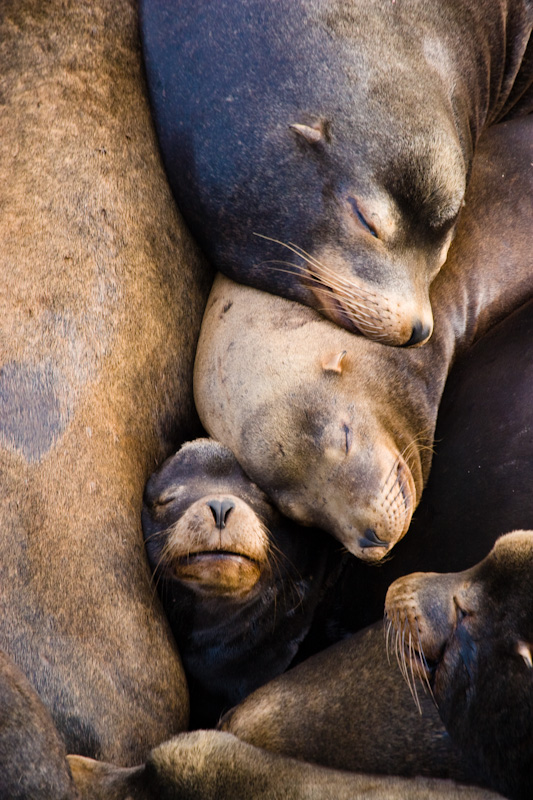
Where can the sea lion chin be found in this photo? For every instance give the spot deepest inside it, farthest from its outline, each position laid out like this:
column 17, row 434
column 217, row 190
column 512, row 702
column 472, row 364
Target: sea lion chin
column 328, row 160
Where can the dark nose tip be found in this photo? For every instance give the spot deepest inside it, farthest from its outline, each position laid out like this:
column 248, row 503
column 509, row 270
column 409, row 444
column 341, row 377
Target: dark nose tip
column 220, row 510
column 370, row 539
column 419, row 334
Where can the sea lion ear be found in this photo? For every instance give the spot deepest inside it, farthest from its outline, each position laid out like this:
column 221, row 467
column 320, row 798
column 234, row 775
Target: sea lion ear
column 333, row 362
column 524, row 650
column 312, row 134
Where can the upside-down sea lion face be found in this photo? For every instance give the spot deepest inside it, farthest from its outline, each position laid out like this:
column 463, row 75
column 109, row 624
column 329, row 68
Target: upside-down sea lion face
column 331, row 426
column 470, row 634
column 313, row 161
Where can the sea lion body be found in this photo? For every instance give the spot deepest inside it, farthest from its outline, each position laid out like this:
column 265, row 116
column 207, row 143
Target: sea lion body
column 101, row 296
column 471, row 635
column 238, row 582
column 359, row 715
column 468, row 634
column 216, row 766
column 33, row 759
column 320, row 150
column 336, row 429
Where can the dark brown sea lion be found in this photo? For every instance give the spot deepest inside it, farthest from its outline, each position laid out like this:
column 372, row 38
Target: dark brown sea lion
column 212, row 765
column 33, row 763
column 320, row 149
column 334, row 428
column 470, row 635
column 347, row 708
column 101, row 295
column 239, row 582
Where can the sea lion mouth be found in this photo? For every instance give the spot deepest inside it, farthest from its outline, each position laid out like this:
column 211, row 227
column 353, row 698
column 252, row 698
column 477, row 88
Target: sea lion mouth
column 218, row 572
column 216, row 554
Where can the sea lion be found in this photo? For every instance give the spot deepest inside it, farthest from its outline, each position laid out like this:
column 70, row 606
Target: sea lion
column 321, row 150
column 470, row 635
column 239, row 582
column 357, row 714
column 334, row 428
column 471, row 632
column 33, row 759
column 479, row 483
column 101, row 296
column 217, row 766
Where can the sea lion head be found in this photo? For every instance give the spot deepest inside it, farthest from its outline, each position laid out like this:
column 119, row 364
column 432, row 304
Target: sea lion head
column 204, row 522
column 239, row 583
column 326, row 162
column 302, row 405
column 469, row 635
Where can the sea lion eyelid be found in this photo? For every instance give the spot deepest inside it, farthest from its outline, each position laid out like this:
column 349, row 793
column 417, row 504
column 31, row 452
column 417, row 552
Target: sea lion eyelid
column 460, row 611
column 355, row 208
column 164, row 500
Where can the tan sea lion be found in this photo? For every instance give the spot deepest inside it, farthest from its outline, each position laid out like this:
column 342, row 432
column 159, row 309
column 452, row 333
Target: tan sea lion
column 240, row 584
column 334, row 428
column 216, row 766
column 469, row 635
column 341, row 132
column 101, row 296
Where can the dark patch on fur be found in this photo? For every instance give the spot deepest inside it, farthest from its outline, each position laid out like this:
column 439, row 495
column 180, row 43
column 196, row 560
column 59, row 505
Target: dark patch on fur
column 33, row 416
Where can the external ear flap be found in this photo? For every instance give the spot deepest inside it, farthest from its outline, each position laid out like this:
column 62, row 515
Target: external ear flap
column 313, row 135
column 524, row 650
column 333, row 362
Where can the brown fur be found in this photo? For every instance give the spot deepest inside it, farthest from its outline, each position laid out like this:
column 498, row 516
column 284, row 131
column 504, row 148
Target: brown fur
column 101, row 295
column 217, row 766
column 33, row 762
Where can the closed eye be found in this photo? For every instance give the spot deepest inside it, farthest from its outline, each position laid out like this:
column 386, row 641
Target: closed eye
column 355, row 208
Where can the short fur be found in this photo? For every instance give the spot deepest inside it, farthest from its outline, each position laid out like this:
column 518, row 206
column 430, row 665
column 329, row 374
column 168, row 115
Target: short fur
column 101, row 297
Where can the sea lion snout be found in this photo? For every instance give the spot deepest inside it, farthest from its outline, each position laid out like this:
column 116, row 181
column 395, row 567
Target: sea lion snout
column 220, row 510
column 400, row 316
column 217, row 546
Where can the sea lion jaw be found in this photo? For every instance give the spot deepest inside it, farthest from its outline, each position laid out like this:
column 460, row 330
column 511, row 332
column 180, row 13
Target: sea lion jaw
column 218, row 546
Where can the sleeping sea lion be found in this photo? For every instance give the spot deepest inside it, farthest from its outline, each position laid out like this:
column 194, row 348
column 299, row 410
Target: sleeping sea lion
column 321, row 149
column 334, row 428
column 470, row 636
column 213, row 765
column 239, row 582
column 101, row 297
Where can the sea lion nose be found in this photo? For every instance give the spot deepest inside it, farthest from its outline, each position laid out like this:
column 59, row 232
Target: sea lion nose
column 421, row 331
column 371, row 539
column 220, row 510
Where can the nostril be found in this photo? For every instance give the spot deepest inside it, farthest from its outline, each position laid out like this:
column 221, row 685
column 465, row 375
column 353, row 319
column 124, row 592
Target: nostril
column 371, row 539
column 220, row 510
column 419, row 334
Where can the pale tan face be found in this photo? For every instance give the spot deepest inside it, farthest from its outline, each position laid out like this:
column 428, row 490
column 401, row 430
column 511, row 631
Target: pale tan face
column 313, row 416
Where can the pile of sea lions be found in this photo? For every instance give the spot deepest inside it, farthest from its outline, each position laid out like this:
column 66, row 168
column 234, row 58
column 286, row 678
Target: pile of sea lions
column 360, row 174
